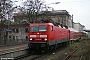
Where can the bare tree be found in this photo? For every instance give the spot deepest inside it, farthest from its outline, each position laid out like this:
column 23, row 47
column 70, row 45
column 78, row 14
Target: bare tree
column 6, row 6
column 0, row 10
column 33, row 7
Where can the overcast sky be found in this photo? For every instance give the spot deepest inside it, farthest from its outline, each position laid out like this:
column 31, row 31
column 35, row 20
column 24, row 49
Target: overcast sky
column 79, row 8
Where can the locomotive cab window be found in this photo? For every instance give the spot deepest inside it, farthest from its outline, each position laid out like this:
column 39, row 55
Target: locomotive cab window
column 38, row 28
column 42, row 28
column 51, row 28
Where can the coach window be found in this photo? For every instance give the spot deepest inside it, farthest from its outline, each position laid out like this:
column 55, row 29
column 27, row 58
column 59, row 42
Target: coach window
column 51, row 28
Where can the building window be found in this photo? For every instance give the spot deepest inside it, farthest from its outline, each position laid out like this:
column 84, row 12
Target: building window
column 14, row 37
column 10, row 36
column 13, row 30
column 26, row 30
column 26, row 37
column 16, row 30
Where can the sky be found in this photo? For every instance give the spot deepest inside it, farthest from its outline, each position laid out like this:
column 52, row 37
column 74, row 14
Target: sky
column 79, row 8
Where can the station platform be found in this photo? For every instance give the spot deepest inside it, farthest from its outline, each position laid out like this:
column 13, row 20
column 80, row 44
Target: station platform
column 13, row 48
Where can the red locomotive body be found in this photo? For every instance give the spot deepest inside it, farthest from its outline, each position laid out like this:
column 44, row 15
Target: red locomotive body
column 45, row 35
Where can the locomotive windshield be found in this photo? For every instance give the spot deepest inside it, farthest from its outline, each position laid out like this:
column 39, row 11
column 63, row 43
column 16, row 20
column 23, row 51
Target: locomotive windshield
column 38, row 28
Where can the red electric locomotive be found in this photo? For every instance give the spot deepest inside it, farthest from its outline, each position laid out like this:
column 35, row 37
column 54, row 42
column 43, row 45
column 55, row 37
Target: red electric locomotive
column 46, row 35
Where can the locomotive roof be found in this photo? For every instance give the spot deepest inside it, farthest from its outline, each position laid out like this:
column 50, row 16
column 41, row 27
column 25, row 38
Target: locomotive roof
column 72, row 29
column 41, row 24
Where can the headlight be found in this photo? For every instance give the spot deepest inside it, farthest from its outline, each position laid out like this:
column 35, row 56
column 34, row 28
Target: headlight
column 45, row 39
column 30, row 38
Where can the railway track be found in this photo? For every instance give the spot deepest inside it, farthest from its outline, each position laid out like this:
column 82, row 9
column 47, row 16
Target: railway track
column 23, row 56
column 38, row 56
column 59, row 55
column 70, row 54
column 30, row 56
column 34, row 56
column 66, row 53
column 77, row 52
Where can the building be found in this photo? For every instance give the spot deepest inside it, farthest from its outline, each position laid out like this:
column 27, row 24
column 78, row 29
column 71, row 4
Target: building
column 78, row 26
column 19, row 17
column 14, row 34
column 59, row 16
column 18, row 32
column 2, row 30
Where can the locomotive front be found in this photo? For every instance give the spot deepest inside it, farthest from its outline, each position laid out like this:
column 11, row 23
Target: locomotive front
column 37, row 36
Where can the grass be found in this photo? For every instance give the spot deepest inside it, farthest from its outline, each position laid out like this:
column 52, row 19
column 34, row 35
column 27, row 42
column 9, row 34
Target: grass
column 83, row 48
